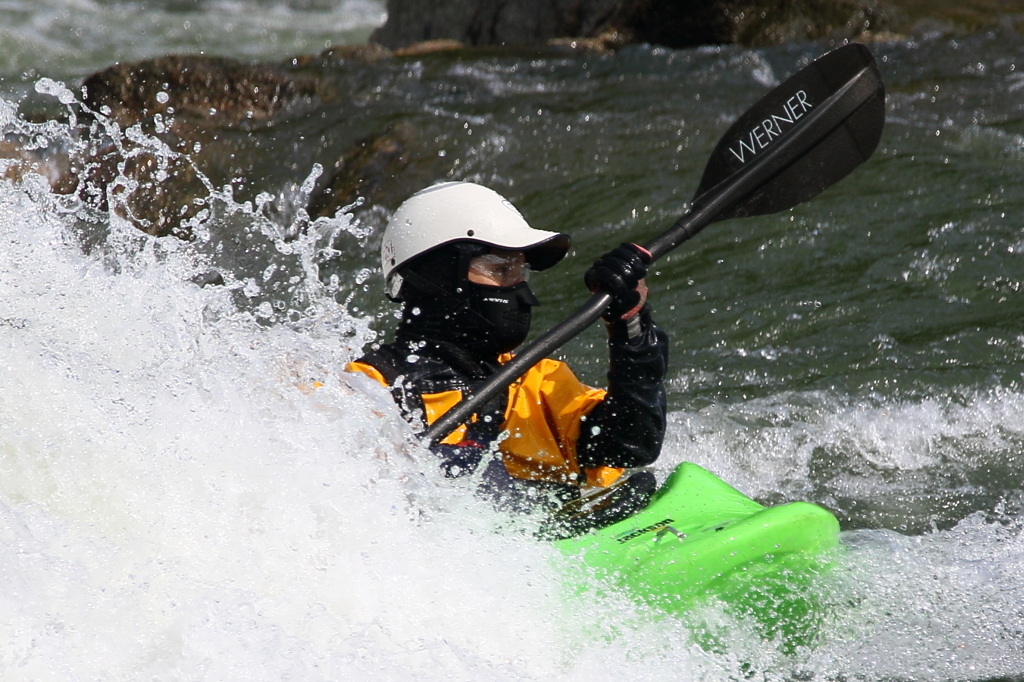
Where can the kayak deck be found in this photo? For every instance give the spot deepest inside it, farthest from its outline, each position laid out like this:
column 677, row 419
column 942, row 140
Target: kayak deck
column 700, row 539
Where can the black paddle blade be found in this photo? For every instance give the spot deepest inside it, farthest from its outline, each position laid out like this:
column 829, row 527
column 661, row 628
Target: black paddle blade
column 768, row 124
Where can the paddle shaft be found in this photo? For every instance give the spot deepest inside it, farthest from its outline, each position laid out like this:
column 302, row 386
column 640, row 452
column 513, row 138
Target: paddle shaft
column 817, row 125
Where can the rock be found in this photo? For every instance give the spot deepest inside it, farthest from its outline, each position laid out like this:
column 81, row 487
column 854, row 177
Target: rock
column 185, row 102
column 383, row 169
column 19, row 158
column 214, row 90
column 661, row 22
column 774, row 22
column 209, row 278
column 158, row 192
column 474, row 22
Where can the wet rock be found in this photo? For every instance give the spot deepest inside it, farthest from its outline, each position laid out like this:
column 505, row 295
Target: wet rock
column 382, row 169
column 208, row 278
column 182, row 106
column 156, row 190
column 662, row 22
column 214, row 90
column 474, row 22
column 19, row 158
column 754, row 23
column 774, row 22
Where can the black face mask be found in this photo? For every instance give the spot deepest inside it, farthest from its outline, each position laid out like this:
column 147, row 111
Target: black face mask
column 505, row 313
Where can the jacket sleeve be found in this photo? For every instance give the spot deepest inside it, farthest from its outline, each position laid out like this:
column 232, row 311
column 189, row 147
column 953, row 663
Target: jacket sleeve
column 628, row 427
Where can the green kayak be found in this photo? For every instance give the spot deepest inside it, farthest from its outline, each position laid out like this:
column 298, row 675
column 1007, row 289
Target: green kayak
column 700, row 541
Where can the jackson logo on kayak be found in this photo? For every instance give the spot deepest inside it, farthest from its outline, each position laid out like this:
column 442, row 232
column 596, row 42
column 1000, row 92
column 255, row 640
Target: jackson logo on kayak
column 793, row 109
column 627, row 536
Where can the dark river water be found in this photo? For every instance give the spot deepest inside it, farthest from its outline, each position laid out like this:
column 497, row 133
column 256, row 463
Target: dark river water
column 190, row 488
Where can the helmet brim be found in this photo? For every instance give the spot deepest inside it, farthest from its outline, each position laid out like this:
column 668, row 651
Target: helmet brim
column 543, row 251
column 549, row 252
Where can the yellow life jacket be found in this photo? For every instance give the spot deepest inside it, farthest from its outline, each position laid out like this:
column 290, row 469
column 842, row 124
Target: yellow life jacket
column 543, row 417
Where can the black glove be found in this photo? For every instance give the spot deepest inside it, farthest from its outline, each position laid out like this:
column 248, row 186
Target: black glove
column 619, row 273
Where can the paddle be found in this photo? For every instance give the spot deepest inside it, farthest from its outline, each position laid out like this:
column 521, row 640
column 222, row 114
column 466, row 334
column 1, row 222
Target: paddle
column 796, row 141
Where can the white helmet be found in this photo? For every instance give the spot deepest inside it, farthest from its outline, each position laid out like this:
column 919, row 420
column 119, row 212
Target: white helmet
column 462, row 211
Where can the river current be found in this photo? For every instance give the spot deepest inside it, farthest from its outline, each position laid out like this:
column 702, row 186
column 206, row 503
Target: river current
column 191, row 489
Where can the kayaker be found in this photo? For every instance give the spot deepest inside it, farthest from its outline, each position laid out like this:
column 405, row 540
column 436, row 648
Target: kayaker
column 458, row 256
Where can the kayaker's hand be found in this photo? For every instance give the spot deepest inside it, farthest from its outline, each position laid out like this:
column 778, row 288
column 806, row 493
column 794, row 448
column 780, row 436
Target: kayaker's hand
column 621, row 273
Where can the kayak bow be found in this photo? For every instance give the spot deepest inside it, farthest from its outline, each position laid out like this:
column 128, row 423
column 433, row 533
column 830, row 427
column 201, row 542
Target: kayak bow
column 700, row 541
